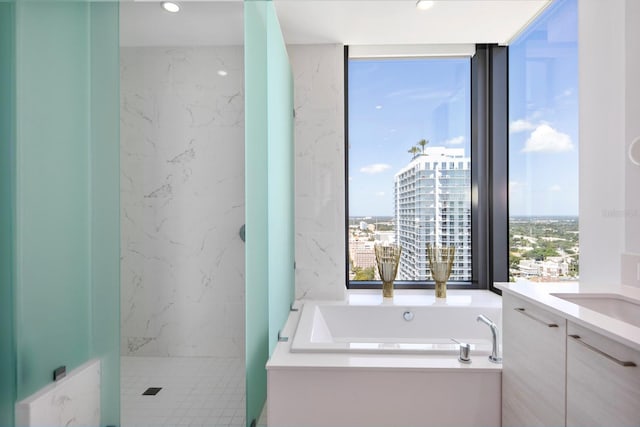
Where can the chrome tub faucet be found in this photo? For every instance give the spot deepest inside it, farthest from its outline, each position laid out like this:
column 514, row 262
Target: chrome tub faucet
column 494, row 332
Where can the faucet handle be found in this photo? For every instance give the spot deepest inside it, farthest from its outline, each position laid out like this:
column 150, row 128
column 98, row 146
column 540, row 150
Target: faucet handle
column 465, row 349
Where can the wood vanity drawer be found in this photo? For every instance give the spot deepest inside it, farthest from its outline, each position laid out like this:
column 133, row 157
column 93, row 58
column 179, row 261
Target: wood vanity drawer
column 603, row 385
column 533, row 369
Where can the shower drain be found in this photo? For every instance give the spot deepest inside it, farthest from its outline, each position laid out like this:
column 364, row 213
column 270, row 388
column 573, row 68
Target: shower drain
column 151, row 391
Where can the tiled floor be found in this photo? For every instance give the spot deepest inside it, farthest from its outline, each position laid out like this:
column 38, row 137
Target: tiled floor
column 207, row 392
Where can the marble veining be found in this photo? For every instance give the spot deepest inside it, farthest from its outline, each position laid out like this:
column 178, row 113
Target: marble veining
column 182, row 201
column 319, row 163
column 71, row 401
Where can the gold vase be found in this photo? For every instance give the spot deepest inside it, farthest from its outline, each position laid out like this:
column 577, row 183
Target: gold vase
column 387, row 289
column 441, row 289
column 387, row 259
column 440, row 263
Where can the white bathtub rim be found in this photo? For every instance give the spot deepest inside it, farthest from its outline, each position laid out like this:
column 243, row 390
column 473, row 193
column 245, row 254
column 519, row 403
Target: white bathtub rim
column 444, row 341
column 421, row 302
column 283, row 358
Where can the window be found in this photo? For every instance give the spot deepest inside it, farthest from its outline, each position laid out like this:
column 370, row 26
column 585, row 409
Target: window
column 409, row 164
column 543, row 148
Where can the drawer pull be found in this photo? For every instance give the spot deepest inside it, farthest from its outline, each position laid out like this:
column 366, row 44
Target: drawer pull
column 522, row 311
column 602, row 353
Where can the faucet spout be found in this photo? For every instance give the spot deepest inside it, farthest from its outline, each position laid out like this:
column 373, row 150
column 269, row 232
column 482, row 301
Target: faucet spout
column 494, row 334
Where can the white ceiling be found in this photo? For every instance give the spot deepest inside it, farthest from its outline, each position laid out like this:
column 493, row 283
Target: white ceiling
column 354, row 22
column 199, row 23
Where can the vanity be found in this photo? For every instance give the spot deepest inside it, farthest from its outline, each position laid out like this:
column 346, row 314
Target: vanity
column 571, row 356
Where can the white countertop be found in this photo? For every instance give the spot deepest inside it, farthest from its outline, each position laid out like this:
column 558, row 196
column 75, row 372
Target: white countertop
column 282, row 358
column 540, row 294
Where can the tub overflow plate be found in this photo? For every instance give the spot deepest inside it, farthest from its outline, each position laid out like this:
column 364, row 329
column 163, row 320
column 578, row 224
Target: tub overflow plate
column 408, row 316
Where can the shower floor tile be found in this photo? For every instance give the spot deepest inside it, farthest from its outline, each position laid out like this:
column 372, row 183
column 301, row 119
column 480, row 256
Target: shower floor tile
column 196, row 391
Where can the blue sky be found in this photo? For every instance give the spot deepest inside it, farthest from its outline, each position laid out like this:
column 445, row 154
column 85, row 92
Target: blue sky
column 395, row 103
column 543, row 109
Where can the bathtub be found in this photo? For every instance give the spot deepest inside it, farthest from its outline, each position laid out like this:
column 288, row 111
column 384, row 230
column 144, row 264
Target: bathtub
column 394, row 328
column 362, row 363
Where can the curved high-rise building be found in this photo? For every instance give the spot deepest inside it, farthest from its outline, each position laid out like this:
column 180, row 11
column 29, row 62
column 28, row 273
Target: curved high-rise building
column 433, row 206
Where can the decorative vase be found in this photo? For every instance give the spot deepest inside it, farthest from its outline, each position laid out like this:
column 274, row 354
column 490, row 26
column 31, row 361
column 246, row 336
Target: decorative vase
column 387, row 289
column 440, row 264
column 387, row 260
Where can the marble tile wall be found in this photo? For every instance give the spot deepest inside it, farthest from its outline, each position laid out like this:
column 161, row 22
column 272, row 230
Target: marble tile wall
column 182, row 201
column 319, row 199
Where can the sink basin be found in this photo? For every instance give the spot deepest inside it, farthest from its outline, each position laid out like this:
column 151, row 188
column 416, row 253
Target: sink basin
column 612, row 305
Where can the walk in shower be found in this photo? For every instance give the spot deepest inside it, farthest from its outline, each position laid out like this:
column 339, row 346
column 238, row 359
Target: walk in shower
column 182, row 205
column 124, row 190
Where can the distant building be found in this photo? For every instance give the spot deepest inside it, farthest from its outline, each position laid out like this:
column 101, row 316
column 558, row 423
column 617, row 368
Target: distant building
column 385, row 237
column 529, row 268
column 551, row 268
column 362, row 253
column 433, row 206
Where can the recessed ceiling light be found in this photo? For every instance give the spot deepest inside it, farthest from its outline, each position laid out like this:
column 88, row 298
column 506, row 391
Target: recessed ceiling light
column 170, row 6
column 222, row 73
column 424, row 4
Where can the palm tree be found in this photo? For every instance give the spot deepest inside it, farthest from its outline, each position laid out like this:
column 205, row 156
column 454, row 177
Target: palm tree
column 414, row 150
column 422, row 144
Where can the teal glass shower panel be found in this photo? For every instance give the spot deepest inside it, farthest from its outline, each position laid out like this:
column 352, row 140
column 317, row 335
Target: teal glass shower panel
column 256, row 213
column 280, row 178
column 105, row 202
column 52, row 198
column 269, row 193
column 66, row 222
column 7, row 172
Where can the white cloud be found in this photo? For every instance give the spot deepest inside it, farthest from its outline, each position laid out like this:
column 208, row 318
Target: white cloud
column 375, row 168
column 380, row 193
column 350, row 178
column 555, row 188
column 455, row 140
column 521, row 126
column 546, row 139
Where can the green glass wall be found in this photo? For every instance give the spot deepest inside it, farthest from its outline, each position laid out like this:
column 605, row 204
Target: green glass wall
column 7, row 136
column 105, row 202
column 52, row 198
column 256, row 217
column 63, row 279
column 280, row 173
column 268, row 193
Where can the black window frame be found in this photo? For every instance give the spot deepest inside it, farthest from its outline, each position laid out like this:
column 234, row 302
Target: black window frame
column 489, row 174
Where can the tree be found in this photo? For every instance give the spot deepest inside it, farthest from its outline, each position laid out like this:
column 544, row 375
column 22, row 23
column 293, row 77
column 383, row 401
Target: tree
column 414, row 150
column 423, row 143
column 514, row 261
column 365, row 274
column 540, row 253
